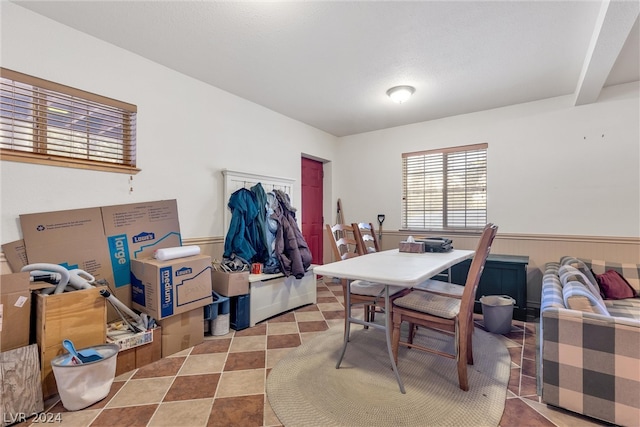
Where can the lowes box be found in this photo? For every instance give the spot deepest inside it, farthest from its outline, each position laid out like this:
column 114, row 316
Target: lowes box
column 166, row 288
column 136, row 230
column 100, row 240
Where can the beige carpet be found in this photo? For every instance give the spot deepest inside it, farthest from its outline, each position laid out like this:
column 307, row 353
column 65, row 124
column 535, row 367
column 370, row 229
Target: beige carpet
column 305, row 389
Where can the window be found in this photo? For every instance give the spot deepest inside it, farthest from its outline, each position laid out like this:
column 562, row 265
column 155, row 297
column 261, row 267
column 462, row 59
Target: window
column 445, row 189
column 48, row 123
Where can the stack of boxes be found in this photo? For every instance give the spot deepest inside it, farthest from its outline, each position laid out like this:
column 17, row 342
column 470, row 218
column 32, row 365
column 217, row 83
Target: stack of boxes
column 173, row 292
column 110, row 243
column 234, row 285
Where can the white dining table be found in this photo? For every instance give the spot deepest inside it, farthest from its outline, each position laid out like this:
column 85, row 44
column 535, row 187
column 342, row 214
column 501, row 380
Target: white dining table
column 391, row 268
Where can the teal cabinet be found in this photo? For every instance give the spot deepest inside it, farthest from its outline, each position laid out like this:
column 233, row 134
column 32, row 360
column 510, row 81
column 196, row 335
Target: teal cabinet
column 502, row 275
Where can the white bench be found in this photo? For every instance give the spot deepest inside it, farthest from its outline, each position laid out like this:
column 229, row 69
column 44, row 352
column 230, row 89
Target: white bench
column 272, row 294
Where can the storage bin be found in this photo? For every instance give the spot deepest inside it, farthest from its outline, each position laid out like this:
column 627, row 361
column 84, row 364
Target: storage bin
column 83, row 385
column 220, row 325
column 220, row 305
column 240, row 312
column 217, row 315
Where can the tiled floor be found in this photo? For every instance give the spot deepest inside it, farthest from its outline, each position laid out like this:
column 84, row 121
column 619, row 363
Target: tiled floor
column 221, row 382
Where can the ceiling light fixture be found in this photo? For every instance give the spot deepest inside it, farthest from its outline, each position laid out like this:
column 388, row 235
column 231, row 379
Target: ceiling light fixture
column 401, row 94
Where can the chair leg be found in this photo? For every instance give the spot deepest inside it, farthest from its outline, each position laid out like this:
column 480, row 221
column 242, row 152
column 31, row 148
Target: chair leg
column 462, row 374
column 367, row 314
column 470, row 341
column 463, row 353
column 412, row 332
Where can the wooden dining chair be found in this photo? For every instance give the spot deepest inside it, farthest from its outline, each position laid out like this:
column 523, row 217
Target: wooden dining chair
column 345, row 245
column 368, row 243
column 451, row 315
column 344, row 241
column 366, row 236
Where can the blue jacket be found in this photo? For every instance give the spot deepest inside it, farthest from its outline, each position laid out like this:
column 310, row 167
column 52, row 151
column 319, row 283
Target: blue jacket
column 261, row 246
column 243, row 231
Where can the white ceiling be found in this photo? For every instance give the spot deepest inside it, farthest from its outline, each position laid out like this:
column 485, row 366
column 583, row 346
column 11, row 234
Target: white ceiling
column 329, row 64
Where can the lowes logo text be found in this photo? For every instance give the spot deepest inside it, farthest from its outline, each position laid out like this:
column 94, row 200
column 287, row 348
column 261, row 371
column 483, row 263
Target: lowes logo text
column 143, row 237
column 184, row 271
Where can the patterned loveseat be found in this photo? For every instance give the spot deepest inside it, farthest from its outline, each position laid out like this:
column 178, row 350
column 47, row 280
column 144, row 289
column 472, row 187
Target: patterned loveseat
column 589, row 359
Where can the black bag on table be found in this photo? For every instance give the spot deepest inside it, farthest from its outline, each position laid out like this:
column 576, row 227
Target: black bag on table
column 436, row 244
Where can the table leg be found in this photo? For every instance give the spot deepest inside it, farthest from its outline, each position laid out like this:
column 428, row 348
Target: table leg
column 387, row 332
column 386, row 329
column 347, row 320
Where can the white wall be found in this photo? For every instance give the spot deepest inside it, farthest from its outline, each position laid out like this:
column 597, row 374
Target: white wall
column 552, row 168
column 187, row 131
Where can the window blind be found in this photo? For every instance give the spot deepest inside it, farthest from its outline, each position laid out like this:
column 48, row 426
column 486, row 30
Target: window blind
column 42, row 119
column 445, row 189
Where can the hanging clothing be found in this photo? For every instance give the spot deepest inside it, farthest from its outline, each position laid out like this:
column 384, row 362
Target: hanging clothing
column 261, row 246
column 272, row 265
column 291, row 249
column 243, row 229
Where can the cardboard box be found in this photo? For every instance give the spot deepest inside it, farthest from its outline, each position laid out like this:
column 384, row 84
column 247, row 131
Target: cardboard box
column 15, row 311
column 135, row 231
column 413, row 247
column 230, row 284
column 102, row 240
column 16, row 255
column 142, row 355
column 166, row 288
column 132, row 340
column 73, row 239
column 80, row 316
column 182, row 331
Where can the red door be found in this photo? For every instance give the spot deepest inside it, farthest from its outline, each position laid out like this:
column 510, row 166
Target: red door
column 312, row 219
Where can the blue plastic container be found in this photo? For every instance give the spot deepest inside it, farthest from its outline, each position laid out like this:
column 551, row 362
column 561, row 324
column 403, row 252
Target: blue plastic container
column 240, row 312
column 220, row 305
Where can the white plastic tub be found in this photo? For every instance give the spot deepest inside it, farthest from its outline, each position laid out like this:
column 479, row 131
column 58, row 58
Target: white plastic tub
column 83, row 385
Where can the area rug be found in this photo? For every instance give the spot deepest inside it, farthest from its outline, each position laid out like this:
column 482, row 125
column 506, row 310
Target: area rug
column 305, row 388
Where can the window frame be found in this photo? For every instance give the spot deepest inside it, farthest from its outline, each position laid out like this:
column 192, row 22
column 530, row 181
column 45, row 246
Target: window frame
column 122, row 163
column 433, row 174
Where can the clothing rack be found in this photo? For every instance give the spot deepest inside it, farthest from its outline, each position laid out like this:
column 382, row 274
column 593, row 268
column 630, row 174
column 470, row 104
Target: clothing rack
column 235, row 180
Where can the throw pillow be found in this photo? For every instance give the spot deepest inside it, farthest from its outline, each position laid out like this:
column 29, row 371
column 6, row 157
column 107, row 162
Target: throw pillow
column 614, row 286
column 573, row 289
